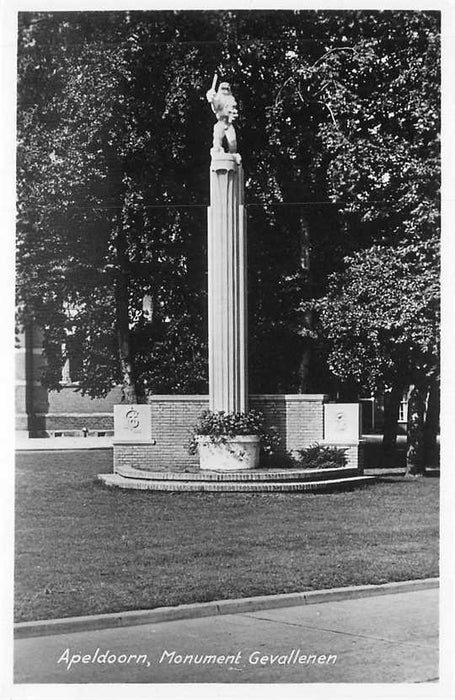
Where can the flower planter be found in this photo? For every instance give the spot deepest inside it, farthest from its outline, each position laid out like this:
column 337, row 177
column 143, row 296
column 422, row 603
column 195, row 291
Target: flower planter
column 228, row 453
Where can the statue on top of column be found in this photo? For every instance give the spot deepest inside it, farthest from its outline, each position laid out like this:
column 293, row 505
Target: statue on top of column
column 224, row 106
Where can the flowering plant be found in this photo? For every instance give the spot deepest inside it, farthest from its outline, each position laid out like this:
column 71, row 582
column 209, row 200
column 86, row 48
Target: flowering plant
column 219, row 425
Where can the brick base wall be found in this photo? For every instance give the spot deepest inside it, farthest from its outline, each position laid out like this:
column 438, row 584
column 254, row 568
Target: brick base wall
column 298, row 419
column 355, row 454
column 172, row 420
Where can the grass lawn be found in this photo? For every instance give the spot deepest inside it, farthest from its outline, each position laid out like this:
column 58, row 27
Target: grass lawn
column 82, row 548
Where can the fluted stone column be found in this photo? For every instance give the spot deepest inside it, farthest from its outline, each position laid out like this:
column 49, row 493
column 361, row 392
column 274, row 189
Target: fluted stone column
column 228, row 384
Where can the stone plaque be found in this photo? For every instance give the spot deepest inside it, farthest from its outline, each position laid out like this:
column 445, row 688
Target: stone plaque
column 342, row 422
column 132, row 423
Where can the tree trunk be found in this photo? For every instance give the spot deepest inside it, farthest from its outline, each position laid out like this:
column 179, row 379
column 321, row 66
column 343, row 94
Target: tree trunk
column 123, row 340
column 415, row 465
column 431, row 427
column 304, row 370
column 392, row 402
column 305, row 358
column 129, row 389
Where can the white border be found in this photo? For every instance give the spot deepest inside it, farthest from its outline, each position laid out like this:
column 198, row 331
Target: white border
column 444, row 689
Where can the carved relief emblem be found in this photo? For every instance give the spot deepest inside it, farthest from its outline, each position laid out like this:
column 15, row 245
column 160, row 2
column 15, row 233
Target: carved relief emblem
column 341, row 421
column 132, row 418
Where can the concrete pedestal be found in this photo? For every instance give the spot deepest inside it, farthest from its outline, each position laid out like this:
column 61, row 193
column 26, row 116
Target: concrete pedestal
column 228, row 387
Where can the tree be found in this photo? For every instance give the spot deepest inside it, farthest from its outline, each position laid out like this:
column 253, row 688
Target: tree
column 112, row 188
column 381, row 319
column 96, row 167
column 371, row 89
column 354, row 121
column 338, row 132
column 372, row 93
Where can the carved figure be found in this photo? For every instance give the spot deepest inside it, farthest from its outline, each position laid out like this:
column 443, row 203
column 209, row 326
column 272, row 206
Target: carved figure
column 224, row 106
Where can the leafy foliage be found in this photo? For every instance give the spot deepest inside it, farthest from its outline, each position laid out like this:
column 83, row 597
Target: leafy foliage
column 339, row 121
column 376, row 80
column 381, row 316
column 95, row 167
column 381, row 319
column 219, row 425
column 320, row 457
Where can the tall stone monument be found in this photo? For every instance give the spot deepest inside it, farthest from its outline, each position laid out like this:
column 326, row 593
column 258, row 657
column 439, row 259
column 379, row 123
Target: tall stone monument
column 149, row 438
column 228, row 382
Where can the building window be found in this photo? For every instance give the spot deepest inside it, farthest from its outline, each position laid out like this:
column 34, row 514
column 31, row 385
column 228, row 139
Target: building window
column 403, row 410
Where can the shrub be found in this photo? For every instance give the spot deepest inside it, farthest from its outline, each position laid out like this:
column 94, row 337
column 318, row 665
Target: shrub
column 320, row 457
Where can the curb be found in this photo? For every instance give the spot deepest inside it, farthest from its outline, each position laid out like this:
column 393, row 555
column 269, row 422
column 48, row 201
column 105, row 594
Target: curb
column 54, row 445
column 399, row 471
column 131, row 618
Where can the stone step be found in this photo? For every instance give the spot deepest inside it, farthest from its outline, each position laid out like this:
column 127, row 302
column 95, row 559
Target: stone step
column 241, row 475
column 119, row 481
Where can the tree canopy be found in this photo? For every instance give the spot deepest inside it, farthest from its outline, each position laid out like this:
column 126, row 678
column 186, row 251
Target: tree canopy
column 338, row 129
column 381, row 317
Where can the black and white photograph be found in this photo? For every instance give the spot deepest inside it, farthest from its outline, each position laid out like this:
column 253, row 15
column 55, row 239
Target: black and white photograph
column 227, row 350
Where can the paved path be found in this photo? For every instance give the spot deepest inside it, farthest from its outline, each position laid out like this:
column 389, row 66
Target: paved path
column 63, row 443
column 382, row 639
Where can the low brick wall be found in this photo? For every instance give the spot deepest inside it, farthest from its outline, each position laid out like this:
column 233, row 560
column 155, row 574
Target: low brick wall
column 355, row 453
column 297, row 417
column 172, row 420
